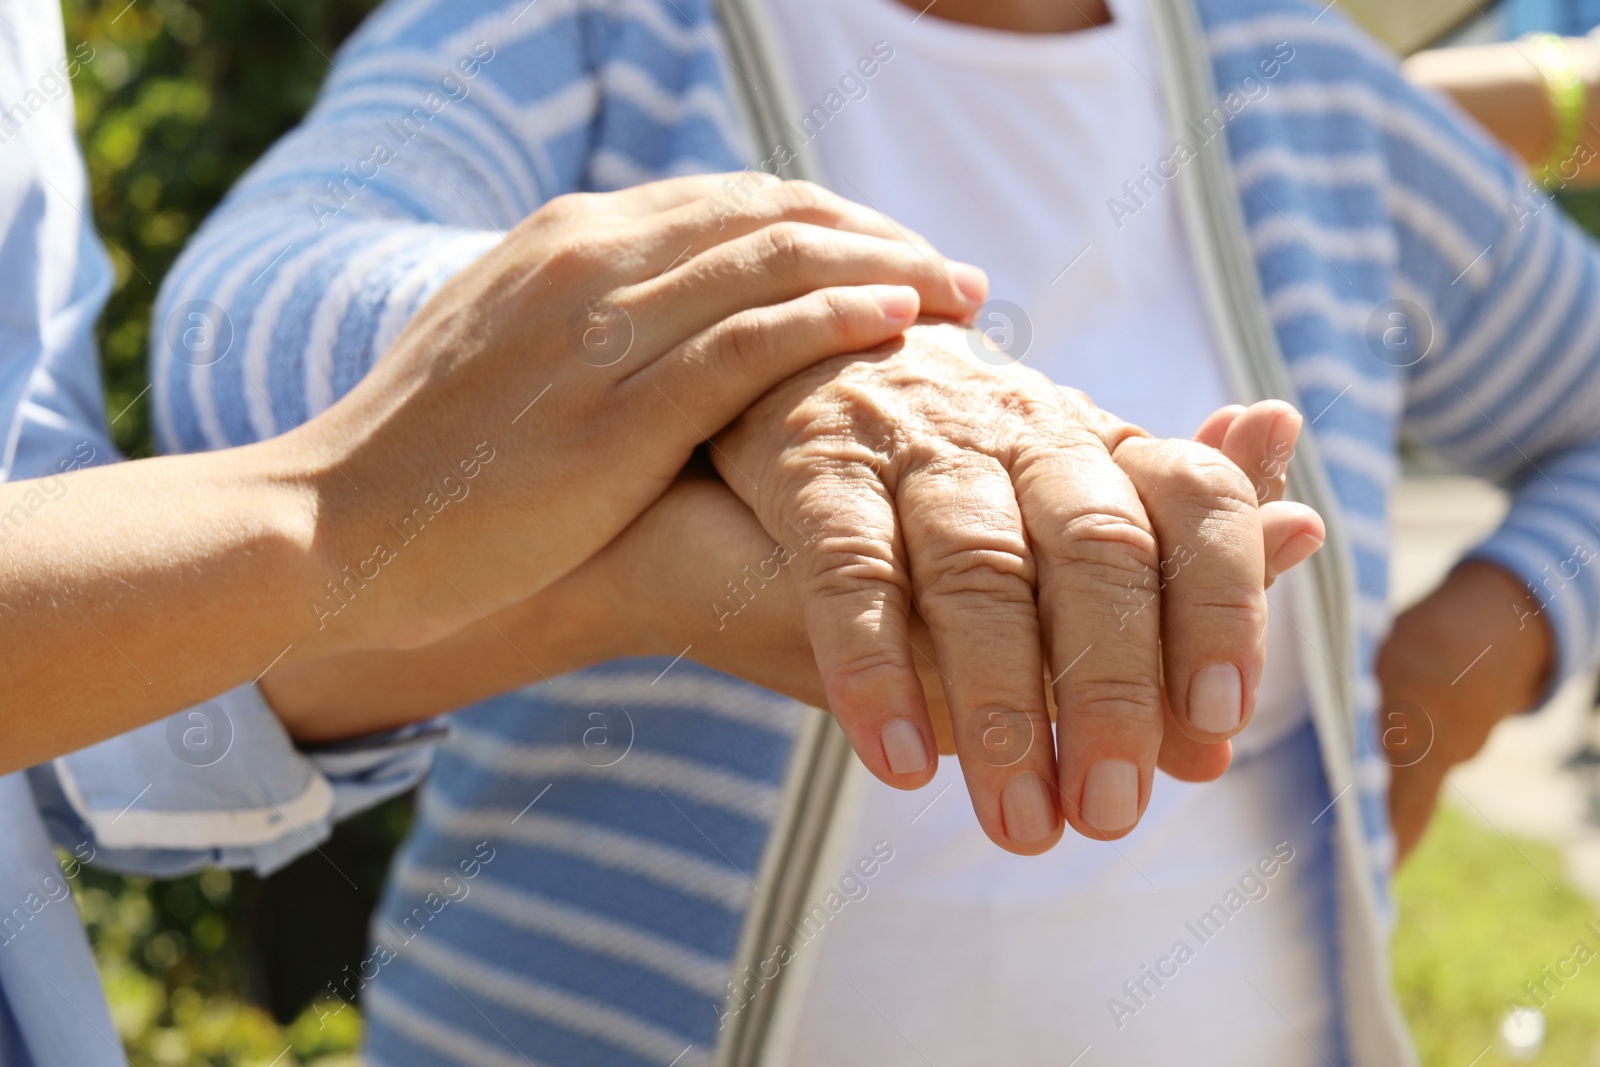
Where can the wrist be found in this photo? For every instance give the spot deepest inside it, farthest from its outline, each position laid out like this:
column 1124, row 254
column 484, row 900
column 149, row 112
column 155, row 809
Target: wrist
column 614, row 598
column 319, row 520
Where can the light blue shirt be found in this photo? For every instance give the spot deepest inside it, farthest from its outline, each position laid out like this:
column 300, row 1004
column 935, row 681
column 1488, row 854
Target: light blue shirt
column 221, row 783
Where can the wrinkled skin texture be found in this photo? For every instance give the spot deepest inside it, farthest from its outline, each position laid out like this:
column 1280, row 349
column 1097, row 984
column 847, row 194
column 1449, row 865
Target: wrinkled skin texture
column 1040, row 538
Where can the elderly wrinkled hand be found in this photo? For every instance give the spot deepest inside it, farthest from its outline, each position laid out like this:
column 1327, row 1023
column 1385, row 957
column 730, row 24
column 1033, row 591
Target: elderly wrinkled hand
column 1049, row 546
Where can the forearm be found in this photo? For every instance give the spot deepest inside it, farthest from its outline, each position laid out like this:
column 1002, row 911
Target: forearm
column 568, row 627
column 135, row 590
column 696, row 576
column 1503, row 90
column 358, row 693
column 552, row 634
column 661, row 588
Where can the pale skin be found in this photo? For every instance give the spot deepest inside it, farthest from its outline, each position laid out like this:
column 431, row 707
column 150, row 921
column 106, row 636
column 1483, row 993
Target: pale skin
column 1039, row 538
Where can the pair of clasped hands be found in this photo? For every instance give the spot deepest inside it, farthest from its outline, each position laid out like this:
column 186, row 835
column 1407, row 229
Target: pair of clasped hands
column 943, row 552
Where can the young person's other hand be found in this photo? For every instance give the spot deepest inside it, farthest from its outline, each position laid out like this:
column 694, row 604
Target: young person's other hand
column 695, row 575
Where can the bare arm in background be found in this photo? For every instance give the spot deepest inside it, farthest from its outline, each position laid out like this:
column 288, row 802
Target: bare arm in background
column 1500, row 87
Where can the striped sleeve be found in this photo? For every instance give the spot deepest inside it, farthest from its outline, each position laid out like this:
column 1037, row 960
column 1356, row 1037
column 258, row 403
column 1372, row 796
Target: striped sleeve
column 1509, row 386
column 436, row 131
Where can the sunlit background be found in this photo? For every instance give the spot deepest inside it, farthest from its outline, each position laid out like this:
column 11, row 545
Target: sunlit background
column 225, row 969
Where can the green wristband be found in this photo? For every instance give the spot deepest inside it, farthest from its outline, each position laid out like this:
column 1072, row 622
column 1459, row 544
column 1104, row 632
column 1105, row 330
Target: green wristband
column 1552, row 56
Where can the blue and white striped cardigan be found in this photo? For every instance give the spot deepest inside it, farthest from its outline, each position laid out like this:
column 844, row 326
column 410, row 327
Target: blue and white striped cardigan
column 601, row 933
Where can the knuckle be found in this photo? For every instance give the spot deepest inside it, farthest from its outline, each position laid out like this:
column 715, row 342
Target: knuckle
column 1088, row 421
column 1077, row 433
column 746, row 344
column 785, row 248
column 1115, row 701
column 865, row 661
column 853, row 564
column 1201, row 476
column 765, row 179
column 1244, row 609
column 1110, row 547
column 568, row 258
column 807, row 200
column 998, row 576
column 836, row 312
column 568, row 207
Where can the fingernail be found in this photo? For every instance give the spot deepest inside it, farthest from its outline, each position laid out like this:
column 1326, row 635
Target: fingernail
column 1111, row 795
column 903, row 747
column 1027, row 808
column 1216, row 698
column 900, row 303
column 1293, row 552
column 972, row 282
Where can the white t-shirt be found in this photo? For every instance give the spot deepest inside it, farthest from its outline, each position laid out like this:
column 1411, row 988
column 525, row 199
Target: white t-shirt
column 1004, row 150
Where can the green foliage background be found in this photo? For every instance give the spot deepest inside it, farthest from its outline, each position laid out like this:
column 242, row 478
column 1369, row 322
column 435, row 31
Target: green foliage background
column 180, row 98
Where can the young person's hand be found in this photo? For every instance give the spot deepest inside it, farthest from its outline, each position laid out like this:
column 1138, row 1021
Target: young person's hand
column 533, row 408
column 1475, row 651
column 570, row 373
column 1017, row 517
